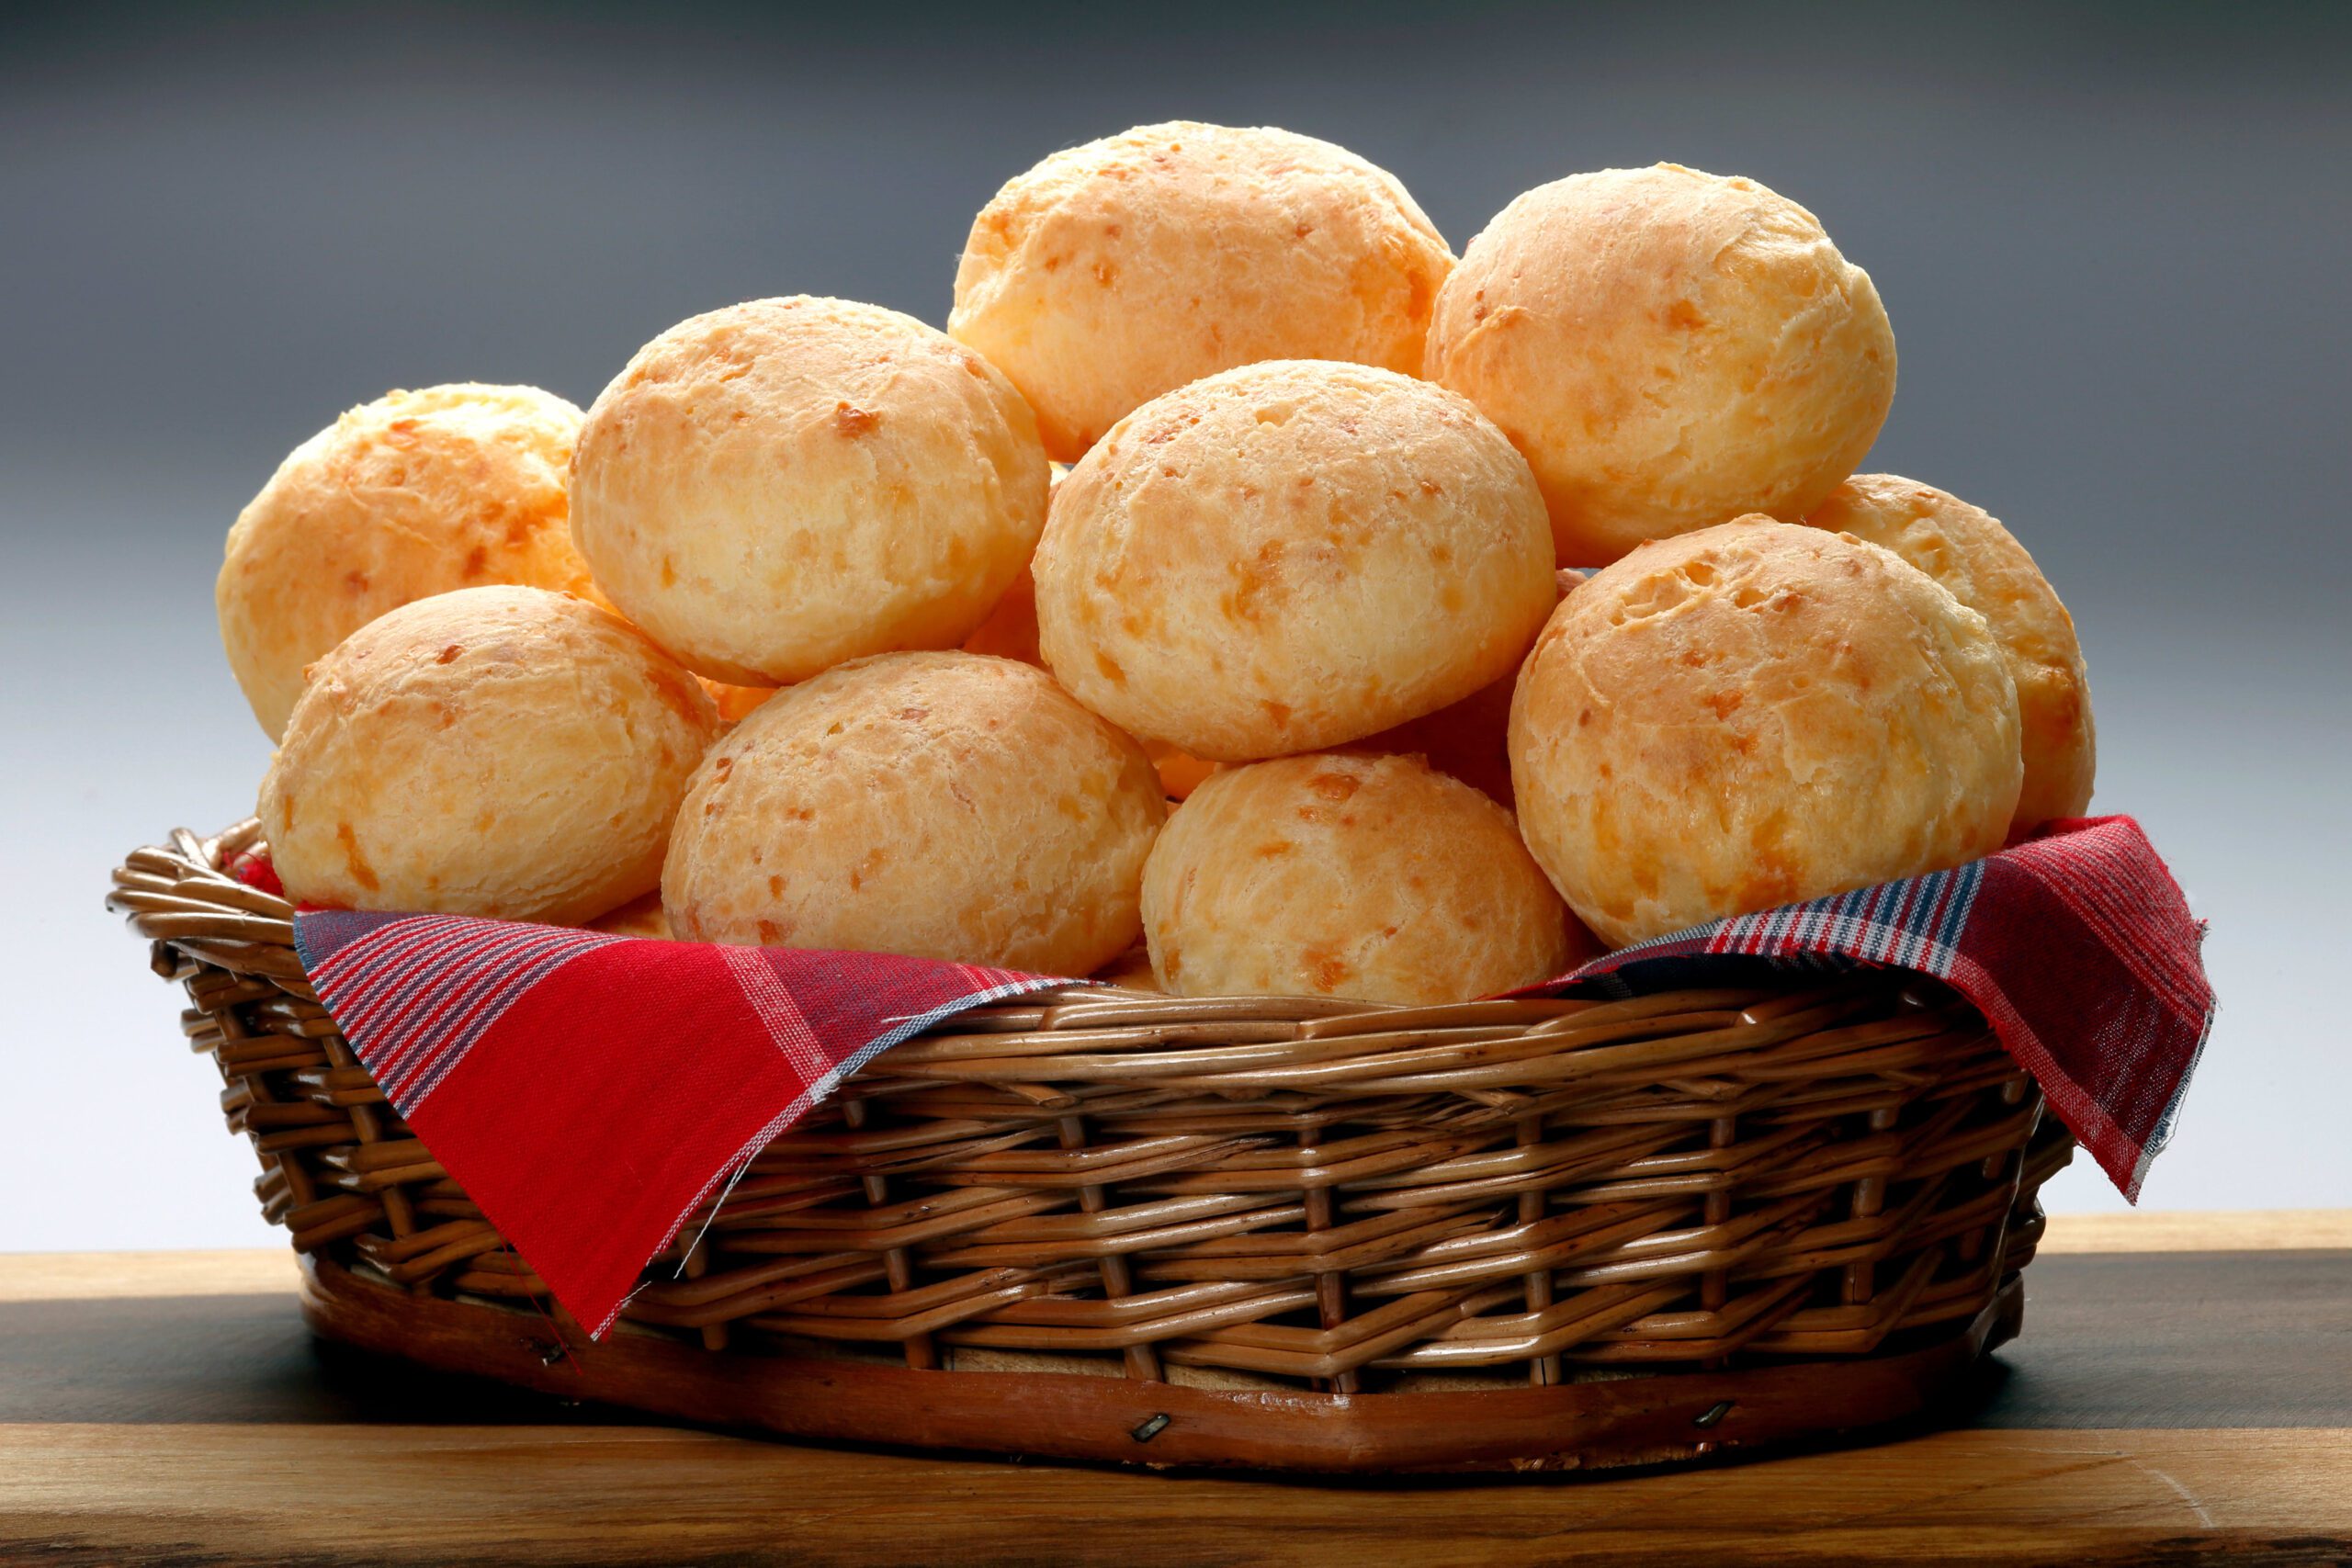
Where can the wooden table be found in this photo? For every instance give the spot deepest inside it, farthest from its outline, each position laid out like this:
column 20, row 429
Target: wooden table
column 2183, row 1392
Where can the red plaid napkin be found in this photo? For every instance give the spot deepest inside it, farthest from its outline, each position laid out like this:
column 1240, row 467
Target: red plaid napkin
column 590, row 1091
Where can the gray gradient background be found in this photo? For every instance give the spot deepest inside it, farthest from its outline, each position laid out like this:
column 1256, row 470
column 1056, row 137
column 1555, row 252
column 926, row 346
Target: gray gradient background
column 2113, row 241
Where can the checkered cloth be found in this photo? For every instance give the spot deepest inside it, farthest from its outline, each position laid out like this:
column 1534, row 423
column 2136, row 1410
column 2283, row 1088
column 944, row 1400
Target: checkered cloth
column 591, row 1091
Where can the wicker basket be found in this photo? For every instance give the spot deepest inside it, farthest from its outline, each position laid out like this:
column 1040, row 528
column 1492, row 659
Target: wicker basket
column 1106, row 1224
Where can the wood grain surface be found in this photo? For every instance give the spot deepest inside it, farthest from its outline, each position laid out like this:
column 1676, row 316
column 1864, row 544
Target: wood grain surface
column 2168, row 1405
column 529, row 1495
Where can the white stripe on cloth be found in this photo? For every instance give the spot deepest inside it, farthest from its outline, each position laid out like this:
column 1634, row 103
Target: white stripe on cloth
column 786, row 1025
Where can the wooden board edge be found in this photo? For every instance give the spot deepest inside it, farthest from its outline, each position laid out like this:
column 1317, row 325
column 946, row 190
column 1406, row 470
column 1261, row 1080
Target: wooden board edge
column 2185, row 1230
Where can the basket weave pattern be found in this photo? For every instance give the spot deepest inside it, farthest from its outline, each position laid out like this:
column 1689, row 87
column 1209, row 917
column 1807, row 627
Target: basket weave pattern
column 1240, row 1191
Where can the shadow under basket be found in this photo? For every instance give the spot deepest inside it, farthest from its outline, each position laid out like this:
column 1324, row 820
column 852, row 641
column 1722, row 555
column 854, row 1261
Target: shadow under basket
column 1103, row 1223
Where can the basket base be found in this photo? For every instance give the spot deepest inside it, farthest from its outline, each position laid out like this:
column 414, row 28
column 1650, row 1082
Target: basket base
column 1661, row 1420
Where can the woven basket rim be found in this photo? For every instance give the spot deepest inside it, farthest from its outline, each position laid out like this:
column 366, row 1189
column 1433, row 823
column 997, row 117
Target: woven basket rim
column 180, row 893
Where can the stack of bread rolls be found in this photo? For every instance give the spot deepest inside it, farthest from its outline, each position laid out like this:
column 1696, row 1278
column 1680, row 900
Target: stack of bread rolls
column 1401, row 628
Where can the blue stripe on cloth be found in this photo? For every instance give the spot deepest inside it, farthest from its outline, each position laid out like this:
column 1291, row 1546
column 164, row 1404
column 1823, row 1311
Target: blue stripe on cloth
column 319, row 933
column 1912, row 924
column 434, row 983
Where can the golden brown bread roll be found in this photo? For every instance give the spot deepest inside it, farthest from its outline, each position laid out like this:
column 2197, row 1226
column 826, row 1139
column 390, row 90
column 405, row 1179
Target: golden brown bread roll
column 1180, row 772
column 1010, row 629
column 414, row 494
column 1754, row 714
column 1469, row 739
column 1010, row 632
column 773, row 488
column 1669, row 348
column 499, row 752
column 1116, row 271
column 1349, row 875
column 640, row 917
column 735, row 702
column 1130, row 971
column 942, row 805
column 1290, row 556
column 1982, row 563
